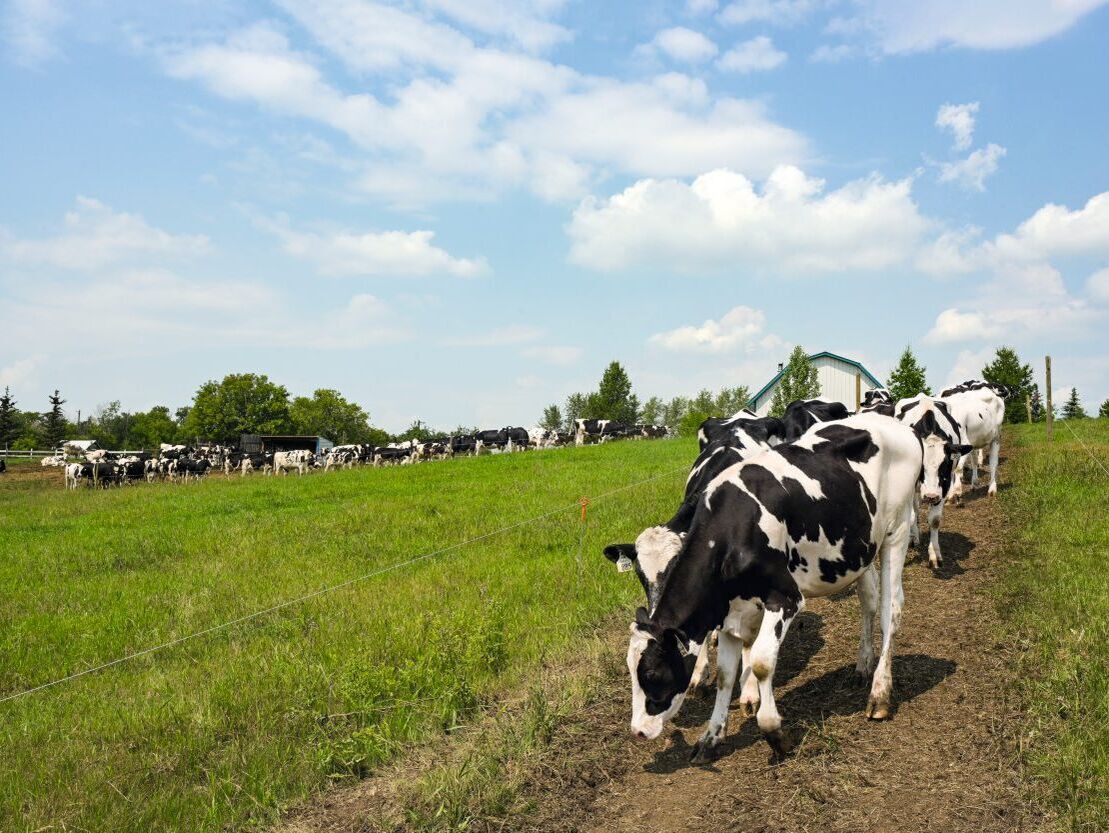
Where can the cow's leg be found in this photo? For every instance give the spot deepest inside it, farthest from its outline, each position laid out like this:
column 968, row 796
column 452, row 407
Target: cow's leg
column 764, row 658
column 748, row 682
column 975, row 461
column 914, row 529
column 935, row 516
column 995, row 451
column 956, row 494
column 893, row 600
column 868, row 608
column 702, row 671
column 727, row 665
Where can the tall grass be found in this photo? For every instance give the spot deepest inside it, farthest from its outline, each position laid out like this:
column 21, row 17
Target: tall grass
column 1056, row 601
column 221, row 732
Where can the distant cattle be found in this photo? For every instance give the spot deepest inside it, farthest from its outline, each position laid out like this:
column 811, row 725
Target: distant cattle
column 599, row 430
column 57, row 460
column 505, row 439
column 802, row 519
column 298, row 460
column 3, row 465
column 391, row 456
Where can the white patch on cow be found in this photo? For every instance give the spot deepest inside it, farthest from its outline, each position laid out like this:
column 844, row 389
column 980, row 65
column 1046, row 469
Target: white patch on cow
column 655, row 548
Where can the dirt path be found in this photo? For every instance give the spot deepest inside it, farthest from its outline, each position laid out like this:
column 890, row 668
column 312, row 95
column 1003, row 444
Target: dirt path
column 945, row 762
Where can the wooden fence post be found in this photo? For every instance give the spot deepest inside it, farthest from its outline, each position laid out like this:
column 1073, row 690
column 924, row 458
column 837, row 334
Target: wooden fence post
column 1028, row 406
column 858, row 392
column 1050, row 407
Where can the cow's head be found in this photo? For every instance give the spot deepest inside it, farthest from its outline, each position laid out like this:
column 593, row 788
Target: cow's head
column 649, row 556
column 941, row 455
column 660, row 662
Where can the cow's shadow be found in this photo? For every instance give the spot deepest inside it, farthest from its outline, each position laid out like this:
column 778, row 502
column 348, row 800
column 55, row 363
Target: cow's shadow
column 836, row 693
column 956, row 549
column 803, row 640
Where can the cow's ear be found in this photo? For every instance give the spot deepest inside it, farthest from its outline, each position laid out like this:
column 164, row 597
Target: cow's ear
column 614, row 552
column 962, row 449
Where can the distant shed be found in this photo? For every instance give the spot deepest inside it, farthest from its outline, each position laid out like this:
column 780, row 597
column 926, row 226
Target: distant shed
column 841, row 380
column 255, row 443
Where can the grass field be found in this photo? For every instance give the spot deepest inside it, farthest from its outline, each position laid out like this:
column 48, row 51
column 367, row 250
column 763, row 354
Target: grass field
column 1056, row 602
column 222, row 731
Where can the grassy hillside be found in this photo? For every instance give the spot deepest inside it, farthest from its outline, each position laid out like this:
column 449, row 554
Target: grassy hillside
column 1056, row 601
column 218, row 732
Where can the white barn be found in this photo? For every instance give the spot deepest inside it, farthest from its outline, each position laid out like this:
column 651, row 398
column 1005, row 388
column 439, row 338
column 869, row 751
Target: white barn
column 841, row 380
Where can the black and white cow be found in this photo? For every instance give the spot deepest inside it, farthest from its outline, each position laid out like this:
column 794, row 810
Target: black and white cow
column 878, row 401
column 980, row 410
column 653, row 432
column 3, row 465
column 799, row 520
column 943, row 445
column 1004, row 391
column 297, row 460
column 803, row 414
column 191, row 467
column 745, row 423
column 388, row 455
column 656, row 547
column 463, row 444
column 598, row 430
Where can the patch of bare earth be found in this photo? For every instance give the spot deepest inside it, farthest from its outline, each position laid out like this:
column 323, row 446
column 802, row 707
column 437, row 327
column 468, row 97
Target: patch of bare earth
column 945, row 761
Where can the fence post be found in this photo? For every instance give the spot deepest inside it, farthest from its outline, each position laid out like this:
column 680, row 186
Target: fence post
column 1028, row 407
column 1050, row 407
column 858, row 392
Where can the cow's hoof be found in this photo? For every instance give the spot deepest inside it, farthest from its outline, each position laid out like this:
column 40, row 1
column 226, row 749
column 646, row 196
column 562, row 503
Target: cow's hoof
column 779, row 744
column 704, row 751
column 992, row 491
column 748, row 708
column 876, row 710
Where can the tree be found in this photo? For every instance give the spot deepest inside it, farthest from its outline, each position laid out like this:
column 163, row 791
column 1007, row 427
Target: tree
column 907, row 379
column 151, row 429
column 799, row 380
column 328, row 414
column 1103, row 411
column 675, row 410
column 552, row 419
column 108, row 426
column 614, row 398
column 242, row 403
column 1037, row 401
column 575, row 410
column 1072, row 409
column 54, row 422
column 652, row 411
column 1006, row 369
column 731, row 401
column 9, row 419
column 418, row 430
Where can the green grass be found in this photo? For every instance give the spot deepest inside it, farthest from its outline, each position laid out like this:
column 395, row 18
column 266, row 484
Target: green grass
column 1056, row 602
column 221, row 732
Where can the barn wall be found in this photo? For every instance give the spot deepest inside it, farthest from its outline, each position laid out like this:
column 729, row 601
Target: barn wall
column 837, row 384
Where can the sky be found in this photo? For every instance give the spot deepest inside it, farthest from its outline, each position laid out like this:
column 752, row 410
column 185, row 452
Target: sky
column 462, row 210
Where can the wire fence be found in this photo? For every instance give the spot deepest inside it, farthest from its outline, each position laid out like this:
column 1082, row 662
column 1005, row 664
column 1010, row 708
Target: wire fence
column 579, row 504
column 1087, row 449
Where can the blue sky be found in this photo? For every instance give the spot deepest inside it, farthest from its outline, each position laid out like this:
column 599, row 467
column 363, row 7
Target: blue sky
column 461, row 210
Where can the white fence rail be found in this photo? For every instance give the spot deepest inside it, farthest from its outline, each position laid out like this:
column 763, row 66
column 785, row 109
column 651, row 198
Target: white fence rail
column 32, row 453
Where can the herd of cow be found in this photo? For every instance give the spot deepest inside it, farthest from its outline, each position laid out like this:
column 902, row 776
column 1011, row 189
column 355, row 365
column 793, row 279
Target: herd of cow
column 181, row 463
column 777, row 511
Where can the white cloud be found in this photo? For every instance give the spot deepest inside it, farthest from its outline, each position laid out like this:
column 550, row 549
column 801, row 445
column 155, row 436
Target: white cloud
column 778, row 12
column 953, row 325
column 900, row 27
column 721, row 220
column 500, row 337
column 968, row 365
column 526, row 24
column 553, row 354
column 20, row 370
column 29, row 28
column 752, row 56
column 971, row 172
column 682, row 44
column 827, row 54
column 701, row 6
column 1098, row 285
column 1009, row 316
column 741, row 328
column 455, row 120
column 96, row 236
column 958, row 119
column 373, row 254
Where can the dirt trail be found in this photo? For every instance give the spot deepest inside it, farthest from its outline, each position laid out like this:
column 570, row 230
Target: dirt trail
column 944, row 762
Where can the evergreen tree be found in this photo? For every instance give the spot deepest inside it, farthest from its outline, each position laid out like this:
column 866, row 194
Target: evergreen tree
column 1038, row 412
column 1006, row 369
column 907, row 379
column 1103, row 411
column 552, row 418
column 799, row 380
column 9, row 419
column 1073, row 408
column 614, row 398
column 575, row 410
column 53, row 422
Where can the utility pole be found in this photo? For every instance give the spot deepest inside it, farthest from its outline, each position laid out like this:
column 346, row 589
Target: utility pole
column 1050, row 407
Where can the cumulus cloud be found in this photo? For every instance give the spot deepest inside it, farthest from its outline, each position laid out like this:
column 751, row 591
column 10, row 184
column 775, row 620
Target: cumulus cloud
column 721, row 219
column 752, row 56
column 682, row 44
column 459, row 120
column 96, row 236
column 958, row 119
column 527, row 24
column 1098, row 285
column 829, row 54
column 20, row 370
column 971, row 172
column 701, row 6
column 29, row 29
column 741, row 328
column 374, row 253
